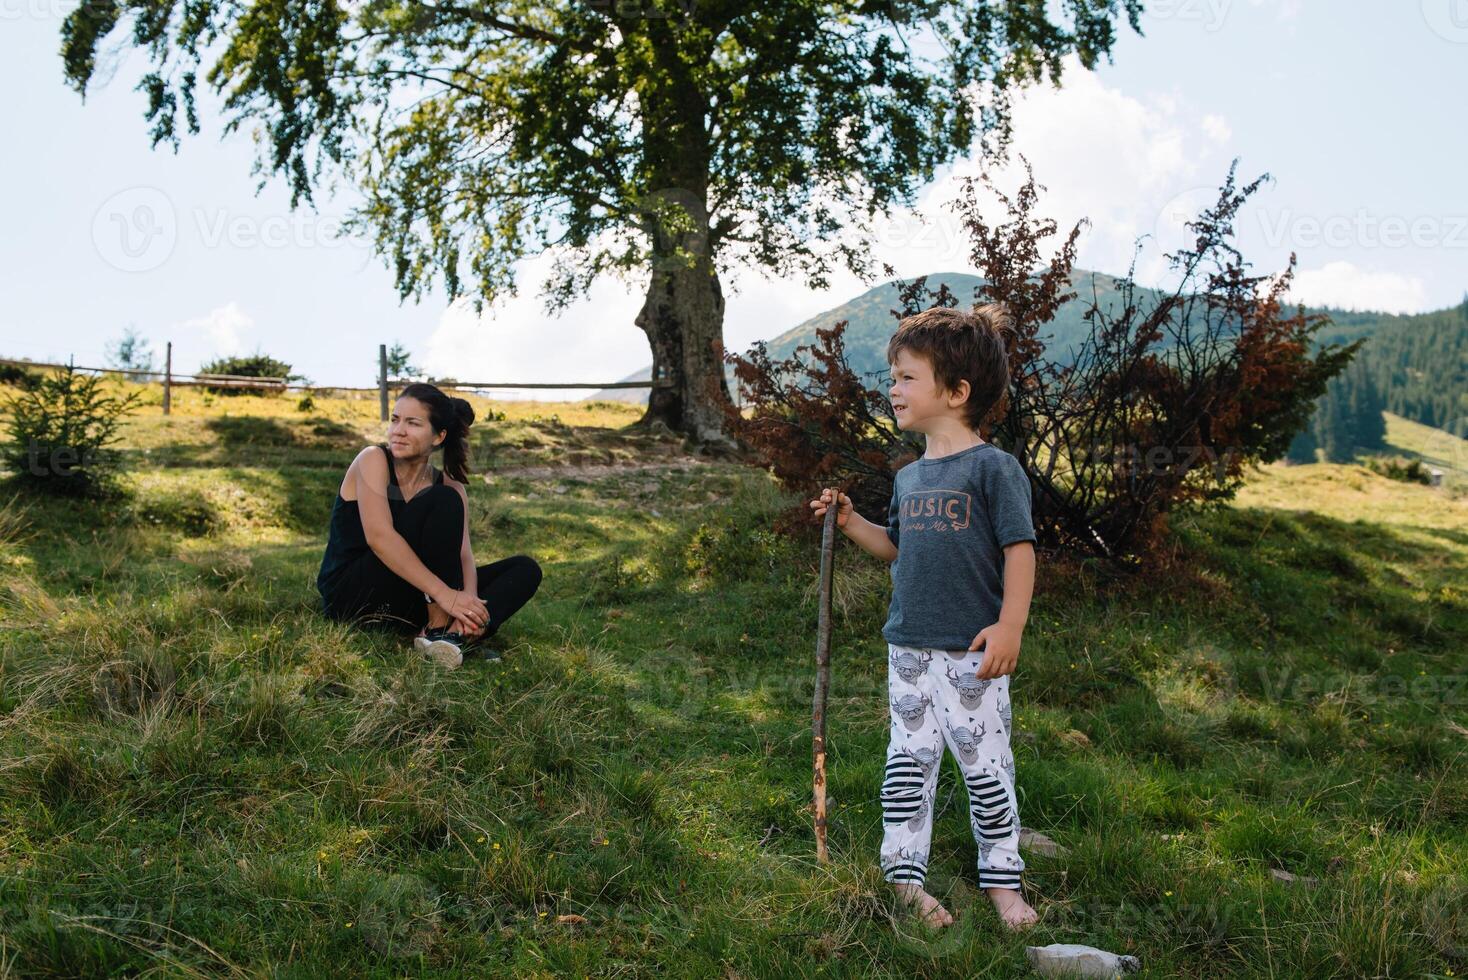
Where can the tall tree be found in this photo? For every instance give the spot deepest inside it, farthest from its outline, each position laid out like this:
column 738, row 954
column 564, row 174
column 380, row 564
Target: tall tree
column 677, row 139
column 1368, row 428
column 1303, row 446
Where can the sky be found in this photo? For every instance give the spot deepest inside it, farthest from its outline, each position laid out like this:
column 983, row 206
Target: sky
column 1351, row 106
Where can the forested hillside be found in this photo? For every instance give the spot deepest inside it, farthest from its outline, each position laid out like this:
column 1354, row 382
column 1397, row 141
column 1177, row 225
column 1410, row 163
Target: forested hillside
column 1415, row 366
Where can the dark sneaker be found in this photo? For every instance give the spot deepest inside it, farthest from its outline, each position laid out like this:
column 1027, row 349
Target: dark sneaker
column 443, row 647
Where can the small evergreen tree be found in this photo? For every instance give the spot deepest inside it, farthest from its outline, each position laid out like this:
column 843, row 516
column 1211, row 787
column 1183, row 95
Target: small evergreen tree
column 60, row 433
column 131, row 354
column 400, row 363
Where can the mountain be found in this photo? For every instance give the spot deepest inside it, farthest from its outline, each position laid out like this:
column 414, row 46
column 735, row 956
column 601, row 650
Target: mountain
column 870, row 323
column 1415, row 365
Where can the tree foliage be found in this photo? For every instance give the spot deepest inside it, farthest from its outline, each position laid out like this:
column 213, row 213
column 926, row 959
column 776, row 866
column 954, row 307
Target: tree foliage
column 658, row 137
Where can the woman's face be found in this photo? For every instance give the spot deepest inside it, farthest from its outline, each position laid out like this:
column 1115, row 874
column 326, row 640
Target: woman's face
column 410, row 434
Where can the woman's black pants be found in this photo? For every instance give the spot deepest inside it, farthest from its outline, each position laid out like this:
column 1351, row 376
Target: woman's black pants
column 433, row 525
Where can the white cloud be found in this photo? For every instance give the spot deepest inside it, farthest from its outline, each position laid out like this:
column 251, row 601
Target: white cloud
column 1217, row 128
column 1347, row 286
column 222, row 325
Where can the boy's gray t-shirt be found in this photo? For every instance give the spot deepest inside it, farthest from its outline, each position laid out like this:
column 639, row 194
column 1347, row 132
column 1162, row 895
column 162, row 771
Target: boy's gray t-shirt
column 951, row 518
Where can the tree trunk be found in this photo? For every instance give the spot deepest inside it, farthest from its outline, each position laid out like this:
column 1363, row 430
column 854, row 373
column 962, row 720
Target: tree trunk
column 683, row 318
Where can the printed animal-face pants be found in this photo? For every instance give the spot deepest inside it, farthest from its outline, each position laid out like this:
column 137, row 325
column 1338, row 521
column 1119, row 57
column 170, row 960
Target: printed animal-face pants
column 937, row 698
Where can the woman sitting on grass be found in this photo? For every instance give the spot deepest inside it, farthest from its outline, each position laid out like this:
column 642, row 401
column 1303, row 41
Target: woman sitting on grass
column 398, row 553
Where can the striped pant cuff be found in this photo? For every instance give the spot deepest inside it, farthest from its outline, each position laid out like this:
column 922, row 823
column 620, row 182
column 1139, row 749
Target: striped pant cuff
column 906, row 874
column 998, row 878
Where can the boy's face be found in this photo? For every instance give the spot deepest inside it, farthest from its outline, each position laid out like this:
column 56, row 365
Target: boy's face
column 916, row 396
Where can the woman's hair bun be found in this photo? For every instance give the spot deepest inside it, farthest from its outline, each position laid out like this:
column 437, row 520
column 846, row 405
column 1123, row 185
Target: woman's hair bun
column 463, row 411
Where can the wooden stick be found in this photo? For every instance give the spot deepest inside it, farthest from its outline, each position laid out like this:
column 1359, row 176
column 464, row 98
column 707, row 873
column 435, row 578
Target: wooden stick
column 823, row 678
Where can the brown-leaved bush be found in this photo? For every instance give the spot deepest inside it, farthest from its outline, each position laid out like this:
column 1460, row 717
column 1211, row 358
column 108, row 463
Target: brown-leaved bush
column 1163, row 404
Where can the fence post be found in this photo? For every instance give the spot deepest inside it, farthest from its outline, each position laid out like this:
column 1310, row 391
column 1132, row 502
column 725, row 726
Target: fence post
column 168, row 378
column 382, row 380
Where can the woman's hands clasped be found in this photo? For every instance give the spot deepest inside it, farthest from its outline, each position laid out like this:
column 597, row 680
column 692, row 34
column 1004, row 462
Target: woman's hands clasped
column 469, row 613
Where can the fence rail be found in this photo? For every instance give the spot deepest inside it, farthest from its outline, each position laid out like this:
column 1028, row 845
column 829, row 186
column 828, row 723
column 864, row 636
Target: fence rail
column 384, row 384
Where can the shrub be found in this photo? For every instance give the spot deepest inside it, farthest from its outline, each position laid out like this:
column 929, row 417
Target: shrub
column 816, row 421
column 1399, row 468
column 60, row 431
column 256, row 365
column 1162, row 404
column 18, row 376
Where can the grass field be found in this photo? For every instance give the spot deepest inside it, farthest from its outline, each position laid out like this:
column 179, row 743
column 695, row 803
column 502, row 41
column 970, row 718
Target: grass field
column 203, row 776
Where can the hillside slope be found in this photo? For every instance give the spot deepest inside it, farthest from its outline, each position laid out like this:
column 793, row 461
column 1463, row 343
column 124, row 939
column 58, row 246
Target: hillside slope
column 204, row 776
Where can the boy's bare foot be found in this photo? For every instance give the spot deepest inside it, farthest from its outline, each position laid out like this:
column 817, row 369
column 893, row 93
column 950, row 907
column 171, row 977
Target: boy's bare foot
column 1012, row 908
column 929, row 909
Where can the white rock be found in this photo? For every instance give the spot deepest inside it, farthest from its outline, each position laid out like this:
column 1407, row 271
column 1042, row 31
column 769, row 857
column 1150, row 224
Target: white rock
column 1033, row 840
column 1288, row 878
column 1074, row 960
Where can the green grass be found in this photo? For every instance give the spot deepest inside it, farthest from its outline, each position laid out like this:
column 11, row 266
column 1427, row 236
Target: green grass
column 203, row 776
column 1445, row 450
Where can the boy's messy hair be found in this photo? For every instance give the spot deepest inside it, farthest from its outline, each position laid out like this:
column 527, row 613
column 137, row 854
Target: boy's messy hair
column 963, row 346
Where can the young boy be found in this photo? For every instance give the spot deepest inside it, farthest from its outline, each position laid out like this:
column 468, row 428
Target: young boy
column 960, row 539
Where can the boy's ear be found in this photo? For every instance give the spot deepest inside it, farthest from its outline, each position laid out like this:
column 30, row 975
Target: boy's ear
column 961, row 393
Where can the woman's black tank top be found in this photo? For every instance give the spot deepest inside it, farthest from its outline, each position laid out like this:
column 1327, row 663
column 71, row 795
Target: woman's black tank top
column 346, row 541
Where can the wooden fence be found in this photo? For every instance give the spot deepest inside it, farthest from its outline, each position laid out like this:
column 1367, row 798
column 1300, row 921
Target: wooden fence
column 384, row 383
